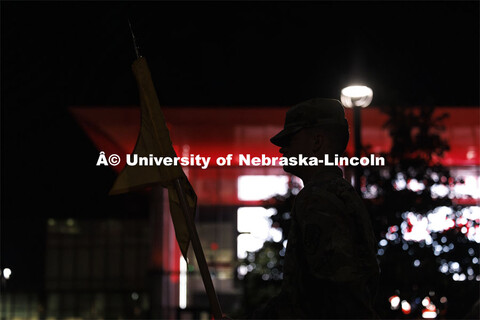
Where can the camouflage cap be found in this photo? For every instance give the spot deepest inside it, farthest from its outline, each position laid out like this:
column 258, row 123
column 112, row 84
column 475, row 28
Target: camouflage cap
column 315, row 112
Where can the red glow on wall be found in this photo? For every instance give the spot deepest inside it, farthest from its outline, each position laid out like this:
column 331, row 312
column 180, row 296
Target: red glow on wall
column 215, row 132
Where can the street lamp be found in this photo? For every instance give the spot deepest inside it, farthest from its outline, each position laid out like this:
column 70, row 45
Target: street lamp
column 357, row 97
column 7, row 272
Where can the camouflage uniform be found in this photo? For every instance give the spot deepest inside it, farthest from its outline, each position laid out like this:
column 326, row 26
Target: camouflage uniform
column 330, row 260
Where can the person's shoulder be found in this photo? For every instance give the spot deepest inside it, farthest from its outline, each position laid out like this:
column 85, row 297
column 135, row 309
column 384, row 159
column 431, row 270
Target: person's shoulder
column 336, row 194
column 339, row 186
column 352, row 206
column 327, row 196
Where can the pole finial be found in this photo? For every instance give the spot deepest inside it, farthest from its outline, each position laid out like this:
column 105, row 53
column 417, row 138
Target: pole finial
column 134, row 40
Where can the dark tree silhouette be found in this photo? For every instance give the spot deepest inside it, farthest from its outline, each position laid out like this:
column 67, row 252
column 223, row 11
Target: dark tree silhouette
column 428, row 247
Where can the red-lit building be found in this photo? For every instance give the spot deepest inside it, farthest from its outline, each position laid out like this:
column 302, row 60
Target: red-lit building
column 131, row 267
column 229, row 195
column 216, row 132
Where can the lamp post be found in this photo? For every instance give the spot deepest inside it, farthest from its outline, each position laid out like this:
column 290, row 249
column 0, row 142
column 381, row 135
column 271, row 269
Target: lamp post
column 357, row 97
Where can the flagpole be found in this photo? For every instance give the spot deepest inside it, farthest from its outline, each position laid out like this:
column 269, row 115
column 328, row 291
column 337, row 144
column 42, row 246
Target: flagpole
column 135, row 46
column 197, row 249
column 197, row 246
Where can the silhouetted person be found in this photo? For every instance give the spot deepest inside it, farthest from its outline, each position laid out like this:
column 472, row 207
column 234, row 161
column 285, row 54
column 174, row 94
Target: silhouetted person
column 330, row 261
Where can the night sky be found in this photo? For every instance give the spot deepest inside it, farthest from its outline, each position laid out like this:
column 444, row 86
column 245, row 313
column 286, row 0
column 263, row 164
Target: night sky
column 61, row 54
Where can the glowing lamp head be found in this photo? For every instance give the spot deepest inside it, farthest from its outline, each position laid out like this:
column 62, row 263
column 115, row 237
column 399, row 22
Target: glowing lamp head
column 7, row 272
column 356, row 96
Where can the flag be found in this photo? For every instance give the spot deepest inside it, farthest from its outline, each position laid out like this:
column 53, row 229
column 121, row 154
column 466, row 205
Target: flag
column 154, row 138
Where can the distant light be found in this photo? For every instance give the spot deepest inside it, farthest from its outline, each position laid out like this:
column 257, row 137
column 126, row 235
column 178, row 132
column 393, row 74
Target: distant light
column 428, row 314
column 254, row 220
column 450, row 224
column 470, row 154
column 462, row 220
column 418, row 229
column 242, row 270
column 7, row 272
column 276, row 234
column 439, row 220
column 255, row 227
column 257, row 187
column 406, row 308
column 443, row 299
column 415, row 186
column 454, row 266
column 439, row 190
column 70, row 222
column 383, row 242
column 356, row 96
column 472, row 213
column 135, row 296
column 392, row 229
column 416, row 263
column 426, row 301
column 444, row 268
column 470, row 271
column 214, row 246
column 182, row 301
column 391, row 236
column 247, row 243
column 400, row 183
column 470, row 187
column 473, row 234
column 394, row 302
